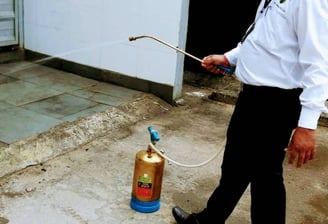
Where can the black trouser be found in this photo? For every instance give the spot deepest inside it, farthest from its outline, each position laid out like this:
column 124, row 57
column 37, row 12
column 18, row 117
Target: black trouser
column 259, row 131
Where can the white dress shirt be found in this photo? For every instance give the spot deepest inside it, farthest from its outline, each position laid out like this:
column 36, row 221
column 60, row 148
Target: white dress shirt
column 288, row 48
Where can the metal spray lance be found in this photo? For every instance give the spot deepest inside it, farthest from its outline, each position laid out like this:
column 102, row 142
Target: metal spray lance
column 227, row 71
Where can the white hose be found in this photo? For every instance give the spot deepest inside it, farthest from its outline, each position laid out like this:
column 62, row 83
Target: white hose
column 187, row 165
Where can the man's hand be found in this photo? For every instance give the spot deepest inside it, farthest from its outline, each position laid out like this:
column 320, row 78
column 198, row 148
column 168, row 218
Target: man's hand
column 302, row 146
column 210, row 63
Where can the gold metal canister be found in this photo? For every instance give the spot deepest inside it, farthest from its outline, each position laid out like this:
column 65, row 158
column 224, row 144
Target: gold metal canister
column 148, row 175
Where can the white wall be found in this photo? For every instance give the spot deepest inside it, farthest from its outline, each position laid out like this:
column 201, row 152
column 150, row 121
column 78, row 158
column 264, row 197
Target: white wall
column 96, row 33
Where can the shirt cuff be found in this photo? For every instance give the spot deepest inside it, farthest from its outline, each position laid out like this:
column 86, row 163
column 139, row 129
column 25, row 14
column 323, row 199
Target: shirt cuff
column 309, row 118
column 232, row 56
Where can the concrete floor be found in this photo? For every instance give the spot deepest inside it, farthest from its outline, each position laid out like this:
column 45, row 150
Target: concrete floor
column 78, row 169
column 34, row 98
column 41, row 106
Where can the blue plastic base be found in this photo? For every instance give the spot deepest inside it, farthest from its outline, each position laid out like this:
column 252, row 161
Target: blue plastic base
column 144, row 207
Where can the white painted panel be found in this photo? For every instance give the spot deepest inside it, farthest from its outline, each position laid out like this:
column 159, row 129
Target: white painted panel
column 96, row 33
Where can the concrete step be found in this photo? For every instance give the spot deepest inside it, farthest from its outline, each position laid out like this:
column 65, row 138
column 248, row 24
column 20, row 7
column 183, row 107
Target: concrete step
column 68, row 136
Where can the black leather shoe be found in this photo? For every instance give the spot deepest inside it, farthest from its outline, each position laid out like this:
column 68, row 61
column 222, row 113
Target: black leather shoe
column 183, row 217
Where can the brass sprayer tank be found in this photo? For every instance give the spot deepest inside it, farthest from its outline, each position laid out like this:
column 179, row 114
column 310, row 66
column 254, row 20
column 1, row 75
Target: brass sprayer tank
column 147, row 178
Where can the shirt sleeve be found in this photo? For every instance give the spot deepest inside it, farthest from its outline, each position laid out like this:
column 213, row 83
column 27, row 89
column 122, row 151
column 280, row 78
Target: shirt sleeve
column 232, row 55
column 311, row 26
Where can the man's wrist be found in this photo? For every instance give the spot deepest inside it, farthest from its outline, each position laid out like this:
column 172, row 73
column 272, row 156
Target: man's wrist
column 226, row 61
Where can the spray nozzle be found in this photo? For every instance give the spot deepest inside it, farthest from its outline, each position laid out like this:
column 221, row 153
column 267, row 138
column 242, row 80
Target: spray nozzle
column 132, row 38
column 154, row 136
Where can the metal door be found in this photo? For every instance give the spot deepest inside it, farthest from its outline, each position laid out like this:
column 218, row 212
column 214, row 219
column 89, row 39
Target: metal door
column 8, row 23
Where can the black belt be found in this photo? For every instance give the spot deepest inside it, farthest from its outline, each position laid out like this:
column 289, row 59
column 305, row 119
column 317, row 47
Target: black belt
column 252, row 88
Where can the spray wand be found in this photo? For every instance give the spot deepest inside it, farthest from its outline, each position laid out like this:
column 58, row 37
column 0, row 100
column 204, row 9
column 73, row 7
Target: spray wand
column 227, row 71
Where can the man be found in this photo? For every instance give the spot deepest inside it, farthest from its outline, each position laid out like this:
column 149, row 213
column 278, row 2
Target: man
column 282, row 63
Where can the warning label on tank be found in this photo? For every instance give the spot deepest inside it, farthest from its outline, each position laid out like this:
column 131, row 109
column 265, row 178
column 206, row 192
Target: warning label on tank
column 144, row 186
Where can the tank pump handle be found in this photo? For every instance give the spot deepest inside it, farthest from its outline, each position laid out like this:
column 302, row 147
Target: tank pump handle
column 154, row 136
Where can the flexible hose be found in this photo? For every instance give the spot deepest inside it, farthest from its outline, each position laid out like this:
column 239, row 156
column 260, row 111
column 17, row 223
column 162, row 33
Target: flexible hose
column 187, row 165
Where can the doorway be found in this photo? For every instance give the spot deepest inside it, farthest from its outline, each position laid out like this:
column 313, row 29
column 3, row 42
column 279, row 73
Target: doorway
column 215, row 27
